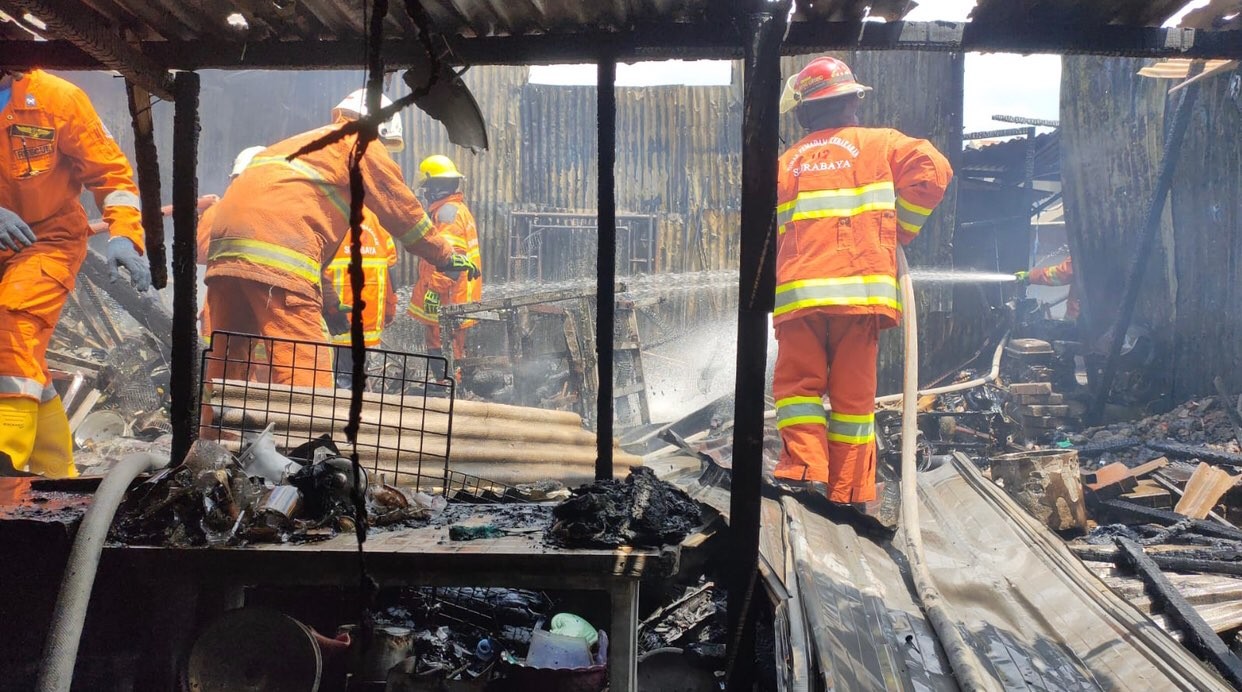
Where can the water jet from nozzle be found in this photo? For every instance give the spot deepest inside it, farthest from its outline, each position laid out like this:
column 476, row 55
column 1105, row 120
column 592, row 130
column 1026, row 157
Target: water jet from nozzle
column 952, row 276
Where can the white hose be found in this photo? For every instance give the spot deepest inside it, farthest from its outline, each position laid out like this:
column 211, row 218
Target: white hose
column 61, row 651
column 962, row 660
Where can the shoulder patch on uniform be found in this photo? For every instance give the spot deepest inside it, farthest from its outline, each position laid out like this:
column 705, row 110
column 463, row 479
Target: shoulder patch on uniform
column 447, row 213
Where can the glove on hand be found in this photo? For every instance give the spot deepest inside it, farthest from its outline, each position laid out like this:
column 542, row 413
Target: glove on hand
column 460, row 263
column 337, row 320
column 14, row 233
column 1023, row 277
column 123, row 253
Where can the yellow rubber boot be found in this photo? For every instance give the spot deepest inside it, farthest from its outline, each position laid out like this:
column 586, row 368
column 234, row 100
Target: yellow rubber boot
column 18, row 417
column 52, row 455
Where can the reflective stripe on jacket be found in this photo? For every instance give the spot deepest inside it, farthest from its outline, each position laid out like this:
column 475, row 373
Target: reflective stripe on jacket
column 54, row 144
column 302, row 208
column 379, row 253
column 455, row 224
column 845, row 198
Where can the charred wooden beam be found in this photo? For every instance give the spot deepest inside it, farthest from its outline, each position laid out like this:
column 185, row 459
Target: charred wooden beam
column 1198, row 635
column 88, row 33
column 1123, row 512
column 183, row 385
column 606, row 260
column 147, row 166
column 718, row 40
column 1181, row 450
column 765, row 24
column 1174, row 563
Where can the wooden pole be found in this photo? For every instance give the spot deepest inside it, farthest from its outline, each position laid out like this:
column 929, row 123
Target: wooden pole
column 756, row 291
column 183, row 384
column 147, row 167
column 606, row 260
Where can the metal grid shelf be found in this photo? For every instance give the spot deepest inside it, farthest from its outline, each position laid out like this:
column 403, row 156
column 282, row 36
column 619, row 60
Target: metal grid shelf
column 249, row 382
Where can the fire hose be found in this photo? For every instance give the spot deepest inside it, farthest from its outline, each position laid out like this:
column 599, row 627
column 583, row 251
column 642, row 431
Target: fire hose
column 60, row 653
column 966, row 666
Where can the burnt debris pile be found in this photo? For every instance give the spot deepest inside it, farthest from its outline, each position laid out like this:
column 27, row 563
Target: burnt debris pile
column 642, row 510
column 215, row 499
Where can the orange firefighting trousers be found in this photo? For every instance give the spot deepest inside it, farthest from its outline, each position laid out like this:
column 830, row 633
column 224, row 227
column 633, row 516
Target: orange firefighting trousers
column 820, row 353
column 250, row 307
column 434, row 344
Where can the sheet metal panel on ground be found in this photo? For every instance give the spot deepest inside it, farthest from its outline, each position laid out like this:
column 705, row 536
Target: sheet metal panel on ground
column 1034, row 614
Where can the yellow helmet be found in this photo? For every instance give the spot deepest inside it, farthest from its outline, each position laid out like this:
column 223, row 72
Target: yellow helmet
column 437, row 166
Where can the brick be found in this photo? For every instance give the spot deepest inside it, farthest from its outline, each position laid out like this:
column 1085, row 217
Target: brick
column 1061, row 410
column 1043, row 422
column 1031, row 388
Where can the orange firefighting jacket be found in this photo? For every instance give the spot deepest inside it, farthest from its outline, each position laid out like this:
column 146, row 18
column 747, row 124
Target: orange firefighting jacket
column 1061, row 274
column 845, row 198
column 280, row 220
column 54, row 145
column 379, row 253
column 454, row 223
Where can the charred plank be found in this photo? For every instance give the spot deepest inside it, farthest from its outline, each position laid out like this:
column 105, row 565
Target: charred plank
column 1199, row 637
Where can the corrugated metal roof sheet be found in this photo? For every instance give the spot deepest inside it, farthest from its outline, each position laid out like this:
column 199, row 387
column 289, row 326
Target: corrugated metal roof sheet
column 340, row 19
column 343, row 19
column 1090, row 12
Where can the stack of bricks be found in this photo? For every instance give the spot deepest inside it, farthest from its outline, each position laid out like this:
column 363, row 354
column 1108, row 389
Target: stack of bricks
column 1039, row 410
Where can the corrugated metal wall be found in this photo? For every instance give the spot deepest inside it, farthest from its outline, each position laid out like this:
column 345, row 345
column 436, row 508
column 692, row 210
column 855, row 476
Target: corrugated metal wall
column 678, row 158
column 1114, row 125
column 678, row 149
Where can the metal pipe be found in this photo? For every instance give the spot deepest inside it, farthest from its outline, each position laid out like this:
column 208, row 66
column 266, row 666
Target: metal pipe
column 763, row 33
column 183, row 384
column 606, row 259
column 1138, row 265
column 147, row 168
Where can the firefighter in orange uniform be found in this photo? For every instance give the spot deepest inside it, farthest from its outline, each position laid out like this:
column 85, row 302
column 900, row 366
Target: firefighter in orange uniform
column 54, row 145
column 279, row 223
column 1061, row 274
column 204, row 236
column 440, row 185
column 846, row 196
column 379, row 256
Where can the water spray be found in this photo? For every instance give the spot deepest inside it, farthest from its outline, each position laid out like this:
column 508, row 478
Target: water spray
column 952, row 276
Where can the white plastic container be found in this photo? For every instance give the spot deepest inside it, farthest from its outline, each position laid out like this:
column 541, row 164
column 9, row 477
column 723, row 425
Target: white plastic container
column 549, row 650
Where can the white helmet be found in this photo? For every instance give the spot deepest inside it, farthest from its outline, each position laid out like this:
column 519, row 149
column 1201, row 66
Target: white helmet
column 355, row 106
column 243, row 159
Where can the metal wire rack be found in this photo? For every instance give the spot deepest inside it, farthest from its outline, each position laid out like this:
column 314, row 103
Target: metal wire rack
column 249, row 382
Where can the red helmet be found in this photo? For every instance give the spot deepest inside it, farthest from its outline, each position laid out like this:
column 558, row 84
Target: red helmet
column 825, row 78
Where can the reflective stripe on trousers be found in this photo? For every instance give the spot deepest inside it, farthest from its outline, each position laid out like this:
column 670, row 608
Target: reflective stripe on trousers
column 796, row 410
column 11, row 385
column 870, row 289
column 854, row 429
